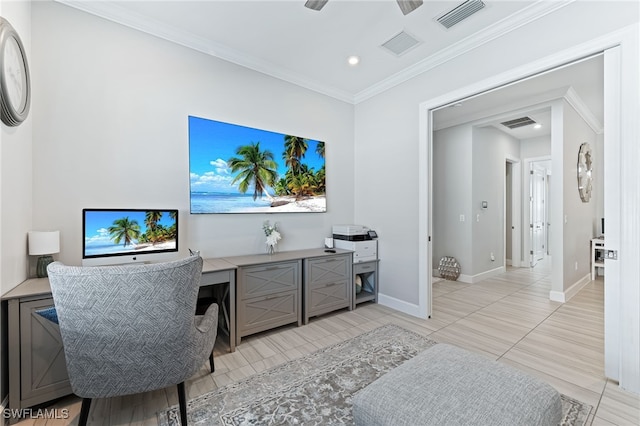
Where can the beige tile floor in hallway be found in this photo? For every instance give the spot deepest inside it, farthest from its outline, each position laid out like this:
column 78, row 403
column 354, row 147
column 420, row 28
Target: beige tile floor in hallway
column 508, row 318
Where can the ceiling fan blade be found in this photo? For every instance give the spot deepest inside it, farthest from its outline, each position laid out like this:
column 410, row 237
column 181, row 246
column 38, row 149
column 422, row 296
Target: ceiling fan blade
column 317, row 4
column 407, row 6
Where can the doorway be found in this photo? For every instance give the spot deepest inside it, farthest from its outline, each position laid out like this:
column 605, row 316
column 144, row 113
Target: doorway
column 537, row 212
column 532, row 95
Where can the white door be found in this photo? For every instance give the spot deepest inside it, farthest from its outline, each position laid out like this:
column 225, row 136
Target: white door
column 537, row 217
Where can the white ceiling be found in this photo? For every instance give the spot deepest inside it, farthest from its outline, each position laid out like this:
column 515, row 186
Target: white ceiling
column 309, row 48
column 284, row 39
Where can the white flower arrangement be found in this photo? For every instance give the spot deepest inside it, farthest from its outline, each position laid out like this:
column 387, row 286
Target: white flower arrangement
column 272, row 233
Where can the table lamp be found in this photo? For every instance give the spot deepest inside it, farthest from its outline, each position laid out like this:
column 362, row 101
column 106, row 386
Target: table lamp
column 43, row 244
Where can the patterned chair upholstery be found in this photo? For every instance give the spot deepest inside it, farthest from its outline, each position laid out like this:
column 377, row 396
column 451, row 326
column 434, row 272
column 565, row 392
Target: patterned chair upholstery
column 132, row 328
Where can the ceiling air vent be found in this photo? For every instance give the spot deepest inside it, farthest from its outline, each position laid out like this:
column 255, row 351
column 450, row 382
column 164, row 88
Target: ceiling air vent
column 460, row 12
column 400, row 43
column 518, row 122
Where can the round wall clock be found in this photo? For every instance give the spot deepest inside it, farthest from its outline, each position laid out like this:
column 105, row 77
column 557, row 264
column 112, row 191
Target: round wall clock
column 15, row 84
column 585, row 166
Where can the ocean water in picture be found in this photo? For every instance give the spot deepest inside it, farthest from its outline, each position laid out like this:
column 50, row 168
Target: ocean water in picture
column 98, row 248
column 225, row 203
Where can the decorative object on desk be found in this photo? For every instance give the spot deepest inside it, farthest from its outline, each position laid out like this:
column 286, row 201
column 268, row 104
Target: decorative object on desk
column 449, row 268
column 43, row 244
column 273, row 235
column 585, row 167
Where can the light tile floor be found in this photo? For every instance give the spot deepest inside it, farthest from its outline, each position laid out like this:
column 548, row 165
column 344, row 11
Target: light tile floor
column 508, row 317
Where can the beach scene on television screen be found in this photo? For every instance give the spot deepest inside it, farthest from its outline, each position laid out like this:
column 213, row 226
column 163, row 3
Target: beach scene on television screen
column 122, row 232
column 237, row 169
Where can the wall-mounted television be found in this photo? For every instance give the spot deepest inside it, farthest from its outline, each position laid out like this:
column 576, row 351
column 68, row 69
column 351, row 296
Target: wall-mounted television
column 116, row 236
column 238, row 169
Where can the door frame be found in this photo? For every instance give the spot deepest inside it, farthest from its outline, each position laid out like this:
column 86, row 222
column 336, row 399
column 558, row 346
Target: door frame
column 516, row 213
column 622, row 350
column 425, row 145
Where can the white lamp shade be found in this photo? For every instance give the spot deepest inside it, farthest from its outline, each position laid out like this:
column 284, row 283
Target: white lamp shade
column 44, row 242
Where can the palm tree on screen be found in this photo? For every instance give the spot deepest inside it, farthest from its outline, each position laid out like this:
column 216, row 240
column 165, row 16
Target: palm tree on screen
column 151, row 219
column 124, row 230
column 255, row 168
column 295, row 148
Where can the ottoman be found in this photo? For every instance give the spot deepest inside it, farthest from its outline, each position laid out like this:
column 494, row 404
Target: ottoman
column 446, row 385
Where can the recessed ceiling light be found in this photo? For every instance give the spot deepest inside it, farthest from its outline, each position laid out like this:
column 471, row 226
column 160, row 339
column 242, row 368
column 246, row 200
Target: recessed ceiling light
column 353, row 60
column 537, row 126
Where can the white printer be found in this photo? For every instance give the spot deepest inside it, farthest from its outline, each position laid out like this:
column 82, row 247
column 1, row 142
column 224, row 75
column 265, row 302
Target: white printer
column 357, row 238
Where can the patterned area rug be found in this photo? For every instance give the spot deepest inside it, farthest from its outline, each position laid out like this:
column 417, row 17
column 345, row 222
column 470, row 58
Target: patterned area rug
column 317, row 388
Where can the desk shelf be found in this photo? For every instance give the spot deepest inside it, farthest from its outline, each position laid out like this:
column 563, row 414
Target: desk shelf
column 368, row 273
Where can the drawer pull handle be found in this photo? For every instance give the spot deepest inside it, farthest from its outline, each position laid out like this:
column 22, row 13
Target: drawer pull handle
column 364, row 268
column 271, row 268
column 270, row 297
column 330, row 284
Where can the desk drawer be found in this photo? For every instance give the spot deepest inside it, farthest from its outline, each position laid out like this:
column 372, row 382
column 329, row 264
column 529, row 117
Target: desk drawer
column 256, row 281
column 218, row 277
column 328, row 269
column 266, row 312
column 327, row 297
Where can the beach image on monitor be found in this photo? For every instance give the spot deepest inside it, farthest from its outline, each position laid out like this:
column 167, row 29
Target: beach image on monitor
column 237, row 169
column 119, row 232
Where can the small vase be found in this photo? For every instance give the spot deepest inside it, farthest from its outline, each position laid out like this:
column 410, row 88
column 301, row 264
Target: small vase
column 271, row 249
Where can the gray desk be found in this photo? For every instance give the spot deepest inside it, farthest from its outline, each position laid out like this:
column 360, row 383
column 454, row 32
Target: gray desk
column 279, row 289
column 219, row 271
column 37, row 368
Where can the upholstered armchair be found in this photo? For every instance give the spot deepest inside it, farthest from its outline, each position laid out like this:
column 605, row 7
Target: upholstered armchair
column 132, row 328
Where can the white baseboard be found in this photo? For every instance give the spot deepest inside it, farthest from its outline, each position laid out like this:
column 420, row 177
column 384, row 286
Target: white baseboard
column 565, row 296
column 399, row 305
column 472, row 279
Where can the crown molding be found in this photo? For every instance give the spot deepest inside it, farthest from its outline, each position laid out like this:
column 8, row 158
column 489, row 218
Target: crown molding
column 572, row 97
column 116, row 13
column 499, row 29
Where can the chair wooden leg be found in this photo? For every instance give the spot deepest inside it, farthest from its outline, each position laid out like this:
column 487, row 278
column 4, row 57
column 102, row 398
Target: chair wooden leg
column 84, row 411
column 211, row 364
column 182, row 400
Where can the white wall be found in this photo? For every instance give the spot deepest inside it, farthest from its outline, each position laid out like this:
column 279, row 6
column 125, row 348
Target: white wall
column 15, row 185
column 491, row 147
column 468, row 168
column 452, row 195
column 15, row 170
column 535, row 147
column 578, row 226
column 111, row 131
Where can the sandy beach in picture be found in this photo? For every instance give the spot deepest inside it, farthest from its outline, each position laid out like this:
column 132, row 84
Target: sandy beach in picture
column 291, row 205
column 165, row 245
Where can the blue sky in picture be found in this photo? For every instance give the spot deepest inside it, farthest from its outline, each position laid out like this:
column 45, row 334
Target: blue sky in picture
column 97, row 221
column 212, row 143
